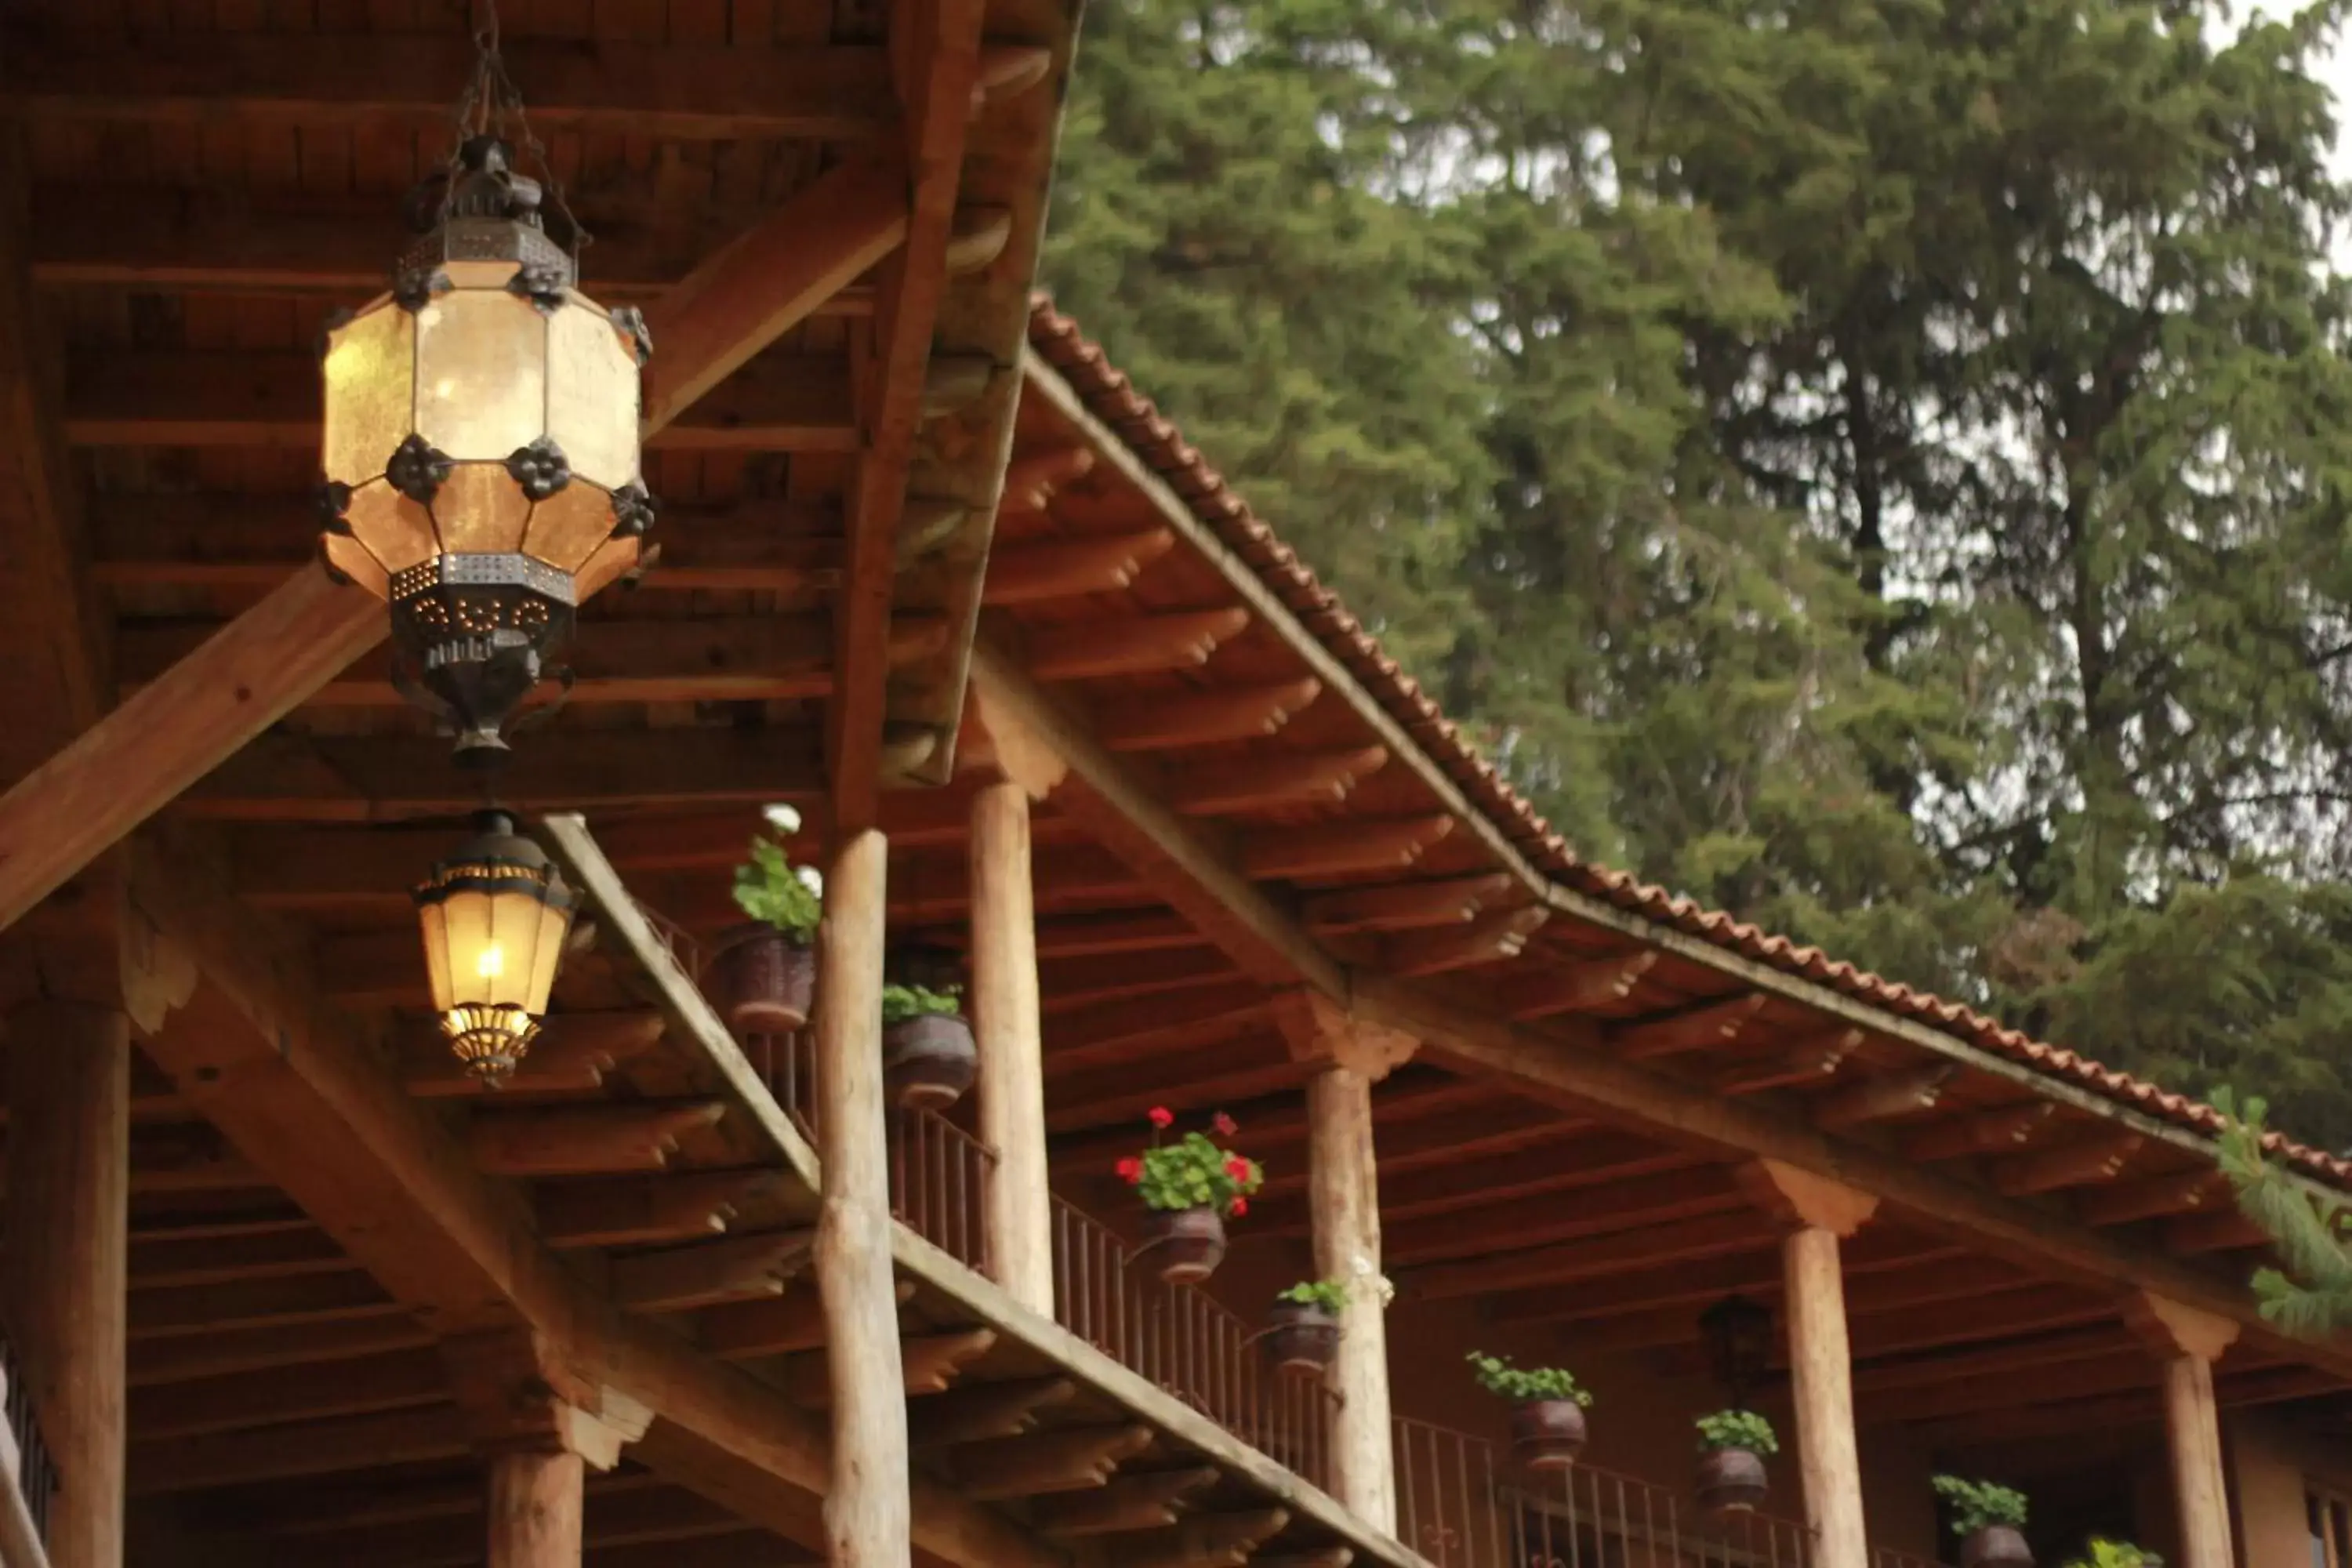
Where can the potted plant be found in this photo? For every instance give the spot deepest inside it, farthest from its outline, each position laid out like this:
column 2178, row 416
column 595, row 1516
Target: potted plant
column 928, row 1060
column 1303, row 1332
column 1732, row 1448
column 1547, row 1410
column 2101, row 1552
column 1190, row 1187
column 1990, row 1520
column 764, row 972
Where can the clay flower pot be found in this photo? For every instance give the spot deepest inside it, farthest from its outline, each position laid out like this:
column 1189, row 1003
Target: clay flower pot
column 761, row 980
column 1189, row 1243
column 1995, row 1546
column 1547, row 1434
column 1301, row 1336
column 1729, row 1482
column 928, row 1062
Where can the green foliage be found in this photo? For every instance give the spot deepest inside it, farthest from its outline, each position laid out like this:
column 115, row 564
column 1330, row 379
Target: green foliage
column 2101, row 1552
column 1737, row 1429
column 1497, row 1376
column 2312, row 1231
column 1331, row 1295
column 1882, row 471
column 901, row 1003
column 1194, row 1172
column 1976, row 1504
column 771, row 890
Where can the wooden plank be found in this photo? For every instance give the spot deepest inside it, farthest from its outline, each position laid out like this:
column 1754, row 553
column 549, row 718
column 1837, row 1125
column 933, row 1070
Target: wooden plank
column 319, row 81
column 1135, row 645
column 985, row 1410
column 928, row 1364
column 1579, row 987
column 708, row 1272
column 634, row 1210
column 2096, row 1158
column 1219, row 1541
column 574, row 1051
column 1151, row 1502
column 1596, row 1258
column 1886, row 1095
column 1509, row 1225
column 2176, row 1192
column 585, row 1140
column 1070, row 567
column 1490, row 939
column 1403, row 906
column 203, row 1407
column 243, row 1351
column 1698, row 1028
column 1267, row 782
column 1068, row 1458
column 297, row 1452
column 1339, row 849
column 744, row 1330
column 1205, row 718
column 1983, row 1132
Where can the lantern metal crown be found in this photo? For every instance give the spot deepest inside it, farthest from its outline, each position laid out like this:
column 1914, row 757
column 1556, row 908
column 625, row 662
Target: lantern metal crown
column 482, row 433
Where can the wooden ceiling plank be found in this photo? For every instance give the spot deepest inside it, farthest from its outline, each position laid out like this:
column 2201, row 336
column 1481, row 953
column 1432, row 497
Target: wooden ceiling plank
column 1580, row 987
column 571, row 1051
column 1070, row 568
column 295, row 1452
column 206, row 1407
column 1205, row 718
column 2097, row 1157
column 1570, row 1262
column 1883, row 1096
column 1981, row 1132
column 627, row 1211
column 271, row 1346
column 1241, row 786
column 1351, row 847
column 585, row 1140
column 1403, row 906
column 2199, row 1188
column 1490, row 939
column 704, row 1273
column 1132, row 645
column 1698, row 1028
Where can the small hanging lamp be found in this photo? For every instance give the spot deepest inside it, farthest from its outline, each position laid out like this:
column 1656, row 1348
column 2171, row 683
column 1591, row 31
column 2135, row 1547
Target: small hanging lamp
column 495, row 916
column 480, row 451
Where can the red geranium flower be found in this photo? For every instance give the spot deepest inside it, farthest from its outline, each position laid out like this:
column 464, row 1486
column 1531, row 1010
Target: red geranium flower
column 1225, row 1124
column 1130, row 1170
column 1237, row 1168
column 1241, row 1207
column 1162, row 1117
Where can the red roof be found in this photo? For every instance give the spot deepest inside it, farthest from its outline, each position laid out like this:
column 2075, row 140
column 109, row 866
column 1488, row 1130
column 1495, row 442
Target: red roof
column 1113, row 399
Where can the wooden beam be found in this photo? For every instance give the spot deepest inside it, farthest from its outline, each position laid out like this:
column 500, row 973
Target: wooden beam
column 1241, row 785
column 773, row 276
column 1339, row 849
column 1697, row 1028
column 1490, row 939
column 633, row 1210
column 928, row 1364
column 743, row 1330
column 1151, row 1502
column 705, row 1273
column 574, row 1051
column 158, row 1264
column 1647, row 1198
column 585, row 1140
column 202, row 1407
column 1069, row 568
column 255, row 1304
column 1206, row 718
column 1136, row 644
column 1884, row 1096
column 2095, row 1158
column 1580, row 987
column 668, row 93
column 2176, row 1192
column 1595, row 1257
column 1809, row 1063
column 1403, row 906
column 1007, row 1025
column 410, row 1435
column 1220, row 1540
column 2223, row 1230
column 982, row 1411
column 243, row 1351
column 1983, row 1132
column 262, row 400
column 1066, row 1460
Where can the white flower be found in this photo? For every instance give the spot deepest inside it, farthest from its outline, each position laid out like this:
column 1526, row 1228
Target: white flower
column 811, row 878
column 784, row 819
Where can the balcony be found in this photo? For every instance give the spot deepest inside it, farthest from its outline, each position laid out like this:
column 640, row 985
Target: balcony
column 32, row 1475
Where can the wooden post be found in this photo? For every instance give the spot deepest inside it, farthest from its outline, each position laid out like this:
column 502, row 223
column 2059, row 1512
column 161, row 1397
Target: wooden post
column 66, row 1263
column 866, row 1508
column 1816, row 1214
column 2189, row 1343
column 535, row 1503
column 1343, row 1202
column 1011, row 1071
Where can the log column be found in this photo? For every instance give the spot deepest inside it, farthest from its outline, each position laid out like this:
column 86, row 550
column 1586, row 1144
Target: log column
column 1343, row 1201
column 539, row 1425
column 65, row 1258
column 536, row 1498
column 1012, row 1070
column 866, row 1508
column 2189, row 1343
column 1816, row 1215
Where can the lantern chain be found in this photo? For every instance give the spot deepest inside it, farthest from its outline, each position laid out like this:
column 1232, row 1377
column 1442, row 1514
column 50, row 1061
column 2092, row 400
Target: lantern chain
column 490, row 105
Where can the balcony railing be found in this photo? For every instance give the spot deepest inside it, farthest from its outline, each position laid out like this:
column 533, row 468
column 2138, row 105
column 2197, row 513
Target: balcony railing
column 1187, row 1343
column 35, row 1472
column 1457, row 1508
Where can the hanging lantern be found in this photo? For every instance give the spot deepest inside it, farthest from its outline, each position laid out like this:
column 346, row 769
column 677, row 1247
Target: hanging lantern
column 481, row 439
column 495, row 916
column 1739, row 1342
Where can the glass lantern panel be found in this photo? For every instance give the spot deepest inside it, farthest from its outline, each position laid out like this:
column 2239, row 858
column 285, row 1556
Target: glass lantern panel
column 435, row 927
column 555, row 925
column 482, row 510
column 350, row 557
column 514, row 944
column 370, row 375
column 481, row 374
column 591, row 393
column 478, row 964
column 567, row 527
column 489, row 273
column 612, row 557
column 397, row 531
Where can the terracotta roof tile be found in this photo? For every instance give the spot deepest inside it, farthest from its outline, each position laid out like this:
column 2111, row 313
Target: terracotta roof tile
column 1113, row 399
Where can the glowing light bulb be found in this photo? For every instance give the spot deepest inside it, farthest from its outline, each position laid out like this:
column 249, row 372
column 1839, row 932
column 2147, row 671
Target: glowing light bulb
column 492, row 962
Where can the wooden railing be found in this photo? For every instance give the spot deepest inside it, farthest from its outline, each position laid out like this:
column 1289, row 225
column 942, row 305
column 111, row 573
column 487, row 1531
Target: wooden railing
column 1189, row 1344
column 1458, row 1509
column 25, row 1462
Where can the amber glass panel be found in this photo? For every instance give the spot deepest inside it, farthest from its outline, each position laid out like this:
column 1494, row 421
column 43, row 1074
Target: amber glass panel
column 397, row 531
column 481, row 374
column 478, row 963
column 350, row 557
column 370, row 374
column 480, row 510
column 555, row 925
column 567, row 527
column 612, row 557
column 592, row 394
column 435, row 930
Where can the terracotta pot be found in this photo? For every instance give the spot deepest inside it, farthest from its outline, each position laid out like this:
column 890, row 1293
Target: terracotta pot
column 1995, row 1546
column 928, row 1062
column 1730, row 1480
column 761, row 980
column 1301, row 1336
column 1546, row 1433
column 1189, row 1243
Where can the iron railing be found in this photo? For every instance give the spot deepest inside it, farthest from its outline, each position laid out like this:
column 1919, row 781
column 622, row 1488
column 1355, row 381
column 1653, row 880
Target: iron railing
column 1457, row 1508
column 1188, row 1344
column 36, row 1472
